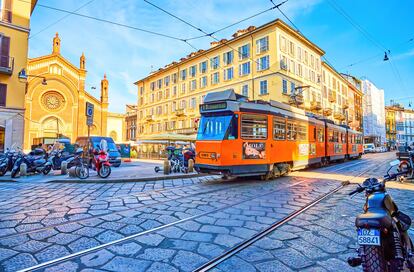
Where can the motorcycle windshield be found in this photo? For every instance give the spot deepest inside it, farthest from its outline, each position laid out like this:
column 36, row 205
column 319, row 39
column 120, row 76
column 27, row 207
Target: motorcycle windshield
column 103, row 145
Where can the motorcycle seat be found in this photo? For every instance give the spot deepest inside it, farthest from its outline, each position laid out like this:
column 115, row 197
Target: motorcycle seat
column 373, row 220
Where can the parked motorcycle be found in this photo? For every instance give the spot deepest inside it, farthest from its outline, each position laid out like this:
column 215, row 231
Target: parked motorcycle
column 81, row 167
column 100, row 161
column 36, row 162
column 384, row 244
column 56, row 157
column 7, row 160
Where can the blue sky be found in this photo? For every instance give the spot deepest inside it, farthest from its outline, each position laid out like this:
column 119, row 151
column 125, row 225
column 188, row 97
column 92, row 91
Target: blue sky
column 127, row 55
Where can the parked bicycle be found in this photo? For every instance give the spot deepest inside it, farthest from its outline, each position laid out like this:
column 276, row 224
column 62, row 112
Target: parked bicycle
column 77, row 161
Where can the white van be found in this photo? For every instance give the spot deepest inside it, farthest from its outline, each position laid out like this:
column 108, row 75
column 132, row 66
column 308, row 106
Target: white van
column 369, row 148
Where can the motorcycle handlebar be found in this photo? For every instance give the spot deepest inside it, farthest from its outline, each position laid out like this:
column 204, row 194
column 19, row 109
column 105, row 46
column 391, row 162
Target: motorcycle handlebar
column 357, row 190
column 393, row 176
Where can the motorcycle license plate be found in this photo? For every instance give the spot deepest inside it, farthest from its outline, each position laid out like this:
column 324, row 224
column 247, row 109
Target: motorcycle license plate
column 369, row 237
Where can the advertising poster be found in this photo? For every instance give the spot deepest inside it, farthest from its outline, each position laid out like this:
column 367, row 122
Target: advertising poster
column 254, row 150
column 303, row 149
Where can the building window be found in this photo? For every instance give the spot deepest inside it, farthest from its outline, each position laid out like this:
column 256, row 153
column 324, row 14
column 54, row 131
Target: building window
column 291, row 49
column 183, row 88
column 159, row 83
column 3, row 94
column 263, row 63
column 244, row 68
column 193, row 70
column 244, row 52
column 245, row 90
column 228, row 58
column 6, row 11
column 215, row 78
column 203, row 82
column 262, row 45
column 284, row 86
column 215, row 62
column 183, row 74
column 174, row 106
column 228, row 73
column 202, row 98
column 292, row 87
column 167, row 80
column 193, row 85
column 263, row 87
column 152, row 86
column 193, row 103
column 174, row 91
column 174, row 78
column 183, row 104
column 283, row 44
column 203, row 67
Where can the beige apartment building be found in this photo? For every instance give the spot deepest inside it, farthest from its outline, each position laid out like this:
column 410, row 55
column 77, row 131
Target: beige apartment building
column 270, row 62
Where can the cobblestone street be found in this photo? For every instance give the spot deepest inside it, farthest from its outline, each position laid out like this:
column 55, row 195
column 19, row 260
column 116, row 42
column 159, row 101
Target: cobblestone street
column 181, row 224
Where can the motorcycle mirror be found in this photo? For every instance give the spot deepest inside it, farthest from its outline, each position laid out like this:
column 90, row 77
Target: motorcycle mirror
column 394, row 162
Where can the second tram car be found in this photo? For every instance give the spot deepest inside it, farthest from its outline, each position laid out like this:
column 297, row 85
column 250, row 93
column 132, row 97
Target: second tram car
column 237, row 137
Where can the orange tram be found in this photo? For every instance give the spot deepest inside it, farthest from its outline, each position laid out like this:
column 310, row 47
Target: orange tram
column 237, row 137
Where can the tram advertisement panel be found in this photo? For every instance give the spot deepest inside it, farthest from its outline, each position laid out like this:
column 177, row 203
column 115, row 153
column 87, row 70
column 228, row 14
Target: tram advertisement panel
column 254, row 150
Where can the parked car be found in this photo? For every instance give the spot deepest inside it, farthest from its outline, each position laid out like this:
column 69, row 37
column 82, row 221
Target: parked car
column 369, row 148
column 114, row 155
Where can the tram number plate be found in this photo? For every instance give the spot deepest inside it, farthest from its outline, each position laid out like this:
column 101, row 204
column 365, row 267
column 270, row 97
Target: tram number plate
column 369, row 237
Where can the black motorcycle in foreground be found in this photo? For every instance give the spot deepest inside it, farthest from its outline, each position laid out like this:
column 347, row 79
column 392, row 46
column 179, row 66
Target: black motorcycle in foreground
column 384, row 244
column 36, row 162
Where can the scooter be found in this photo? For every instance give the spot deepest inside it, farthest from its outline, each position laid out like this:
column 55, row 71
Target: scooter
column 81, row 167
column 384, row 244
column 7, row 161
column 36, row 163
column 100, row 161
column 56, row 157
column 406, row 164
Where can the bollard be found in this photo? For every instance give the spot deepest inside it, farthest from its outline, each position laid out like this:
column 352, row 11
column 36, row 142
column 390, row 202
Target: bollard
column 72, row 172
column 64, row 168
column 166, row 167
column 190, row 166
column 23, row 170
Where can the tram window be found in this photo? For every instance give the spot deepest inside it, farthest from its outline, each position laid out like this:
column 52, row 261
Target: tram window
column 321, row 135
column 335, row 136
column 279, row 129
column 302, row 132
column 253, row 126
column 213, row 127
column 232, row 131
column 342, row 137
column 331, row 136
column 292, row 131
column 314, row 134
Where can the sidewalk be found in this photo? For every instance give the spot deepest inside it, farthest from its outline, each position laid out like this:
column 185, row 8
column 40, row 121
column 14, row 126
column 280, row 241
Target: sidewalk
column 135, row 171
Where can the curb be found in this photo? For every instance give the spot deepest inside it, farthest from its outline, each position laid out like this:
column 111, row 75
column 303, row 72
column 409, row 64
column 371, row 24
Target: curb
column 123, row 180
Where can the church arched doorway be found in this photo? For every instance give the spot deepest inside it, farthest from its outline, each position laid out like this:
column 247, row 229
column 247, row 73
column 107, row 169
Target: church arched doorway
column 52, row 127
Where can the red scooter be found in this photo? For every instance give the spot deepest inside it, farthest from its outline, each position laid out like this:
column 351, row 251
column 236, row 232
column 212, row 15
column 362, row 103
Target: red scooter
column 101, row 160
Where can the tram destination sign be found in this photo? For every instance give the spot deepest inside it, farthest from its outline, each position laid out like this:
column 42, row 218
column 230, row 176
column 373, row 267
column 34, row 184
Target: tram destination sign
column 213, row 106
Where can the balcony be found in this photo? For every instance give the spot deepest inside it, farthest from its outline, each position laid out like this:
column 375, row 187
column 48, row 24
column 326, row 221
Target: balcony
column 296, row 99
column 339, row 115
column 180, row 112
column 316, row 105
column 345, row 105
column 6, row 65
column 327, row 112
column 149, row 118
column 185, row 131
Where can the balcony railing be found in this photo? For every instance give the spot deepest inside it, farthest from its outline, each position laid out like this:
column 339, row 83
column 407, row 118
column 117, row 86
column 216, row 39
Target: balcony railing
column 327, row 111
column 339, row 115
column 316, row 105
column 149, row 117
column 6, row 65
column 297, row 99
column 180, row 112
column 345, row 105
column 332, row 97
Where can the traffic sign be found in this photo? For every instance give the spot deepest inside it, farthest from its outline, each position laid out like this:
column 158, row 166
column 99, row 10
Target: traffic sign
column 89, row 109
column 89, row 120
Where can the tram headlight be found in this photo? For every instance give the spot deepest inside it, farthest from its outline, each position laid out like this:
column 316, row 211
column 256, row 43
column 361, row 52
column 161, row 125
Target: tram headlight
column 213, row 155
column 218, row 155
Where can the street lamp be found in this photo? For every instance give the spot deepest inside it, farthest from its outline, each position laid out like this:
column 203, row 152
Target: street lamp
column 23, row 75
column 294, row 95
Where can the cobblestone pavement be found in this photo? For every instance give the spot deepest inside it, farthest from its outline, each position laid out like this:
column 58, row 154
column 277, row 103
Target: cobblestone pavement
column 178, row 225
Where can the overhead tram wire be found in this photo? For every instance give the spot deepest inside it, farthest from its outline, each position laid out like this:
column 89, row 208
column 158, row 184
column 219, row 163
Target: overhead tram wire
column 358, row 27
column 108, row 21
column 233, row 24
column 61, row 19
column 209, row 34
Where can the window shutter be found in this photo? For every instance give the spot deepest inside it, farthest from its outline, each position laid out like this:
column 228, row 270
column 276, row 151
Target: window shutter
column 3, row 94
column 4, row 51
column 7, row 11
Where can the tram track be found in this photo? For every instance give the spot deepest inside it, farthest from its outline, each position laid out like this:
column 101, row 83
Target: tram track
column 348, row 164
column 263, row 233
column 135, row 208
column 41, row 266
